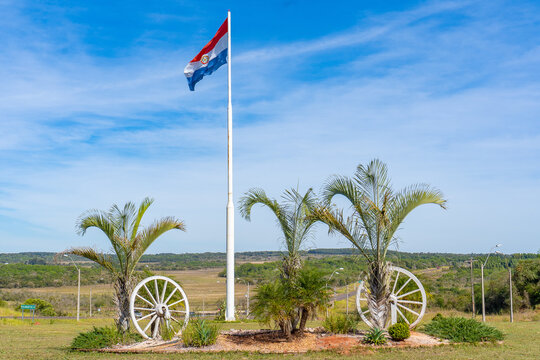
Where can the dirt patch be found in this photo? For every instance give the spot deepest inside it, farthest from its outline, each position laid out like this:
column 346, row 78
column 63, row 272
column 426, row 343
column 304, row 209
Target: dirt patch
column 270, row 341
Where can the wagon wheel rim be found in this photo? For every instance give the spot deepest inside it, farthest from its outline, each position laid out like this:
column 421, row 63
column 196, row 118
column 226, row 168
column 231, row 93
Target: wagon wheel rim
column 159, row 304
column 403, row 299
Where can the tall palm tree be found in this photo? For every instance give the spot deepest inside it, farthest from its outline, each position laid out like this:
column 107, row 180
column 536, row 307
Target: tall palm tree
column 129, row 242
column 377, row 213
column 292, row 217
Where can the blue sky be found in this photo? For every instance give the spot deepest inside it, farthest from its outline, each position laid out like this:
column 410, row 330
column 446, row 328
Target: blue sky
column 95, row 110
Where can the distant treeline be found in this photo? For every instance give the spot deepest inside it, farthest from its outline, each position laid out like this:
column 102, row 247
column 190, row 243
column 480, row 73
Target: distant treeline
column 32, row 276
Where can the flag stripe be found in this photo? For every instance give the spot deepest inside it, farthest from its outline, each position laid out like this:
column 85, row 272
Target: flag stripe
column 222, row 31
column 221, row 45
column 213, row 65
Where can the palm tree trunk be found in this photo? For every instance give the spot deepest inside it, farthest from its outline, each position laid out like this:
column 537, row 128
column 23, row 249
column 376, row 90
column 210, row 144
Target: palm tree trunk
column 123, row 292
column 378, row 298
column 303, row 320
column 286, row 328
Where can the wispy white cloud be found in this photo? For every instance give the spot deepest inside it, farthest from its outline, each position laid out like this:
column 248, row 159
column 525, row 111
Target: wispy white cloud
column 456, row 106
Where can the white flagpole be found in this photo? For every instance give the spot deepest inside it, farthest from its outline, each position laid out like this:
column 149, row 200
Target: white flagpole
column 229, row 313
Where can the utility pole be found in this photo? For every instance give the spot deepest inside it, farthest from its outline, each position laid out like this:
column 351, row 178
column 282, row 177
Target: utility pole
column 347, row 303
column 472, row 290
column 78, row 293
column 78, row 285
column 511, row 301
column 90, row 302
column 482, row 267
column 247, row 307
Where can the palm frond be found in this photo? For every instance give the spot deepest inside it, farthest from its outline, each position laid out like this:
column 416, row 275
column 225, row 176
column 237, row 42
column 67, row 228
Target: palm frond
column 103, row 221
column 93, row 255
column 351, row 227
column 145, row 204
column 258, row 196
column 146, row 237
column 410, row 198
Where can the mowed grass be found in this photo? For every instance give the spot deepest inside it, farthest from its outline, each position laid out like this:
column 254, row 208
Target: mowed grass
column 49, row 339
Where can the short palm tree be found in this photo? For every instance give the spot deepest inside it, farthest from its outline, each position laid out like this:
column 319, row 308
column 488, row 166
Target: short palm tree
column 312, row 294
column 129, row 242
column 377, row 213
column 292, row 217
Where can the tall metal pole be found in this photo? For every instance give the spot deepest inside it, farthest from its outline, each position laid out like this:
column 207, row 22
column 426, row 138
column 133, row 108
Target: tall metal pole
column 472, row 290
column 229, row 312
column 511, row 301
column 78, row 293
column 483, row 300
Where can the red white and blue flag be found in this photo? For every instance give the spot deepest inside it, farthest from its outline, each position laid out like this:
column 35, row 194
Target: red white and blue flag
column 209, row 59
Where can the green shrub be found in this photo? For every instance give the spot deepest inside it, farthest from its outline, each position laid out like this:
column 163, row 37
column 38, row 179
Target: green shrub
column 199, row 333
column 375, row 336
column 459, row 329
column 102, row 337
column 42, row 307
column 340, row 324
column 399, row 331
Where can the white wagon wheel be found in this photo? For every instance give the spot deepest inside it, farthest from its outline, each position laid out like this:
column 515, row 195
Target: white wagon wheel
column 159, row 304
column 407, row 299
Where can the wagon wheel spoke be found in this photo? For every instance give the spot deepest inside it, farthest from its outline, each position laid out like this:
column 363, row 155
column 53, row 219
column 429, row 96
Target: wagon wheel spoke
column 149, row 303
column 409, row 302
column 143, row 309
column 164, row 290
column 406, row 308
column 151, row 296
column 170, row 296
column 409, row 293
column 145, row 316
column 365, row 312
column 174, row 319
column 403, row 286
column 157, row 290
column 395, row 283
column 178, row 311
column 150, row 323
column 176, row 302
column 403, row 316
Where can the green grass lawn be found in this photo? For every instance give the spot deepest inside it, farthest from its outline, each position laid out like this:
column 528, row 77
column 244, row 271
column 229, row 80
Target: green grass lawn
column 50, row 338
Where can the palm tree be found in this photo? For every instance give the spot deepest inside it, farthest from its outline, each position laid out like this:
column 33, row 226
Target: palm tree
column 377, row 213
column 292, row 217
column 274, row 302
column 312, row 294
column 129, row 242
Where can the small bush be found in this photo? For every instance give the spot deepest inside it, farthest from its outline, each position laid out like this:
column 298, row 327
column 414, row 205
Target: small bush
column 399, row 331
column 42, row 307
column 3, row 303
column 102, row 337
column 199, row 333
column 340, row 324
column 375, row 336
column 459, row 329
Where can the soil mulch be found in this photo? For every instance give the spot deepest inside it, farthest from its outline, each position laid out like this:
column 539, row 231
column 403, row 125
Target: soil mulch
column 270, row 341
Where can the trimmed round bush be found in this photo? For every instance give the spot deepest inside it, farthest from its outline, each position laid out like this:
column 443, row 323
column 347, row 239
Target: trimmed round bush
column 399, row 331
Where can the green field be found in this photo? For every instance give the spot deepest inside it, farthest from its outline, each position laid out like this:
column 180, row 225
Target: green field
column 49, row 339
